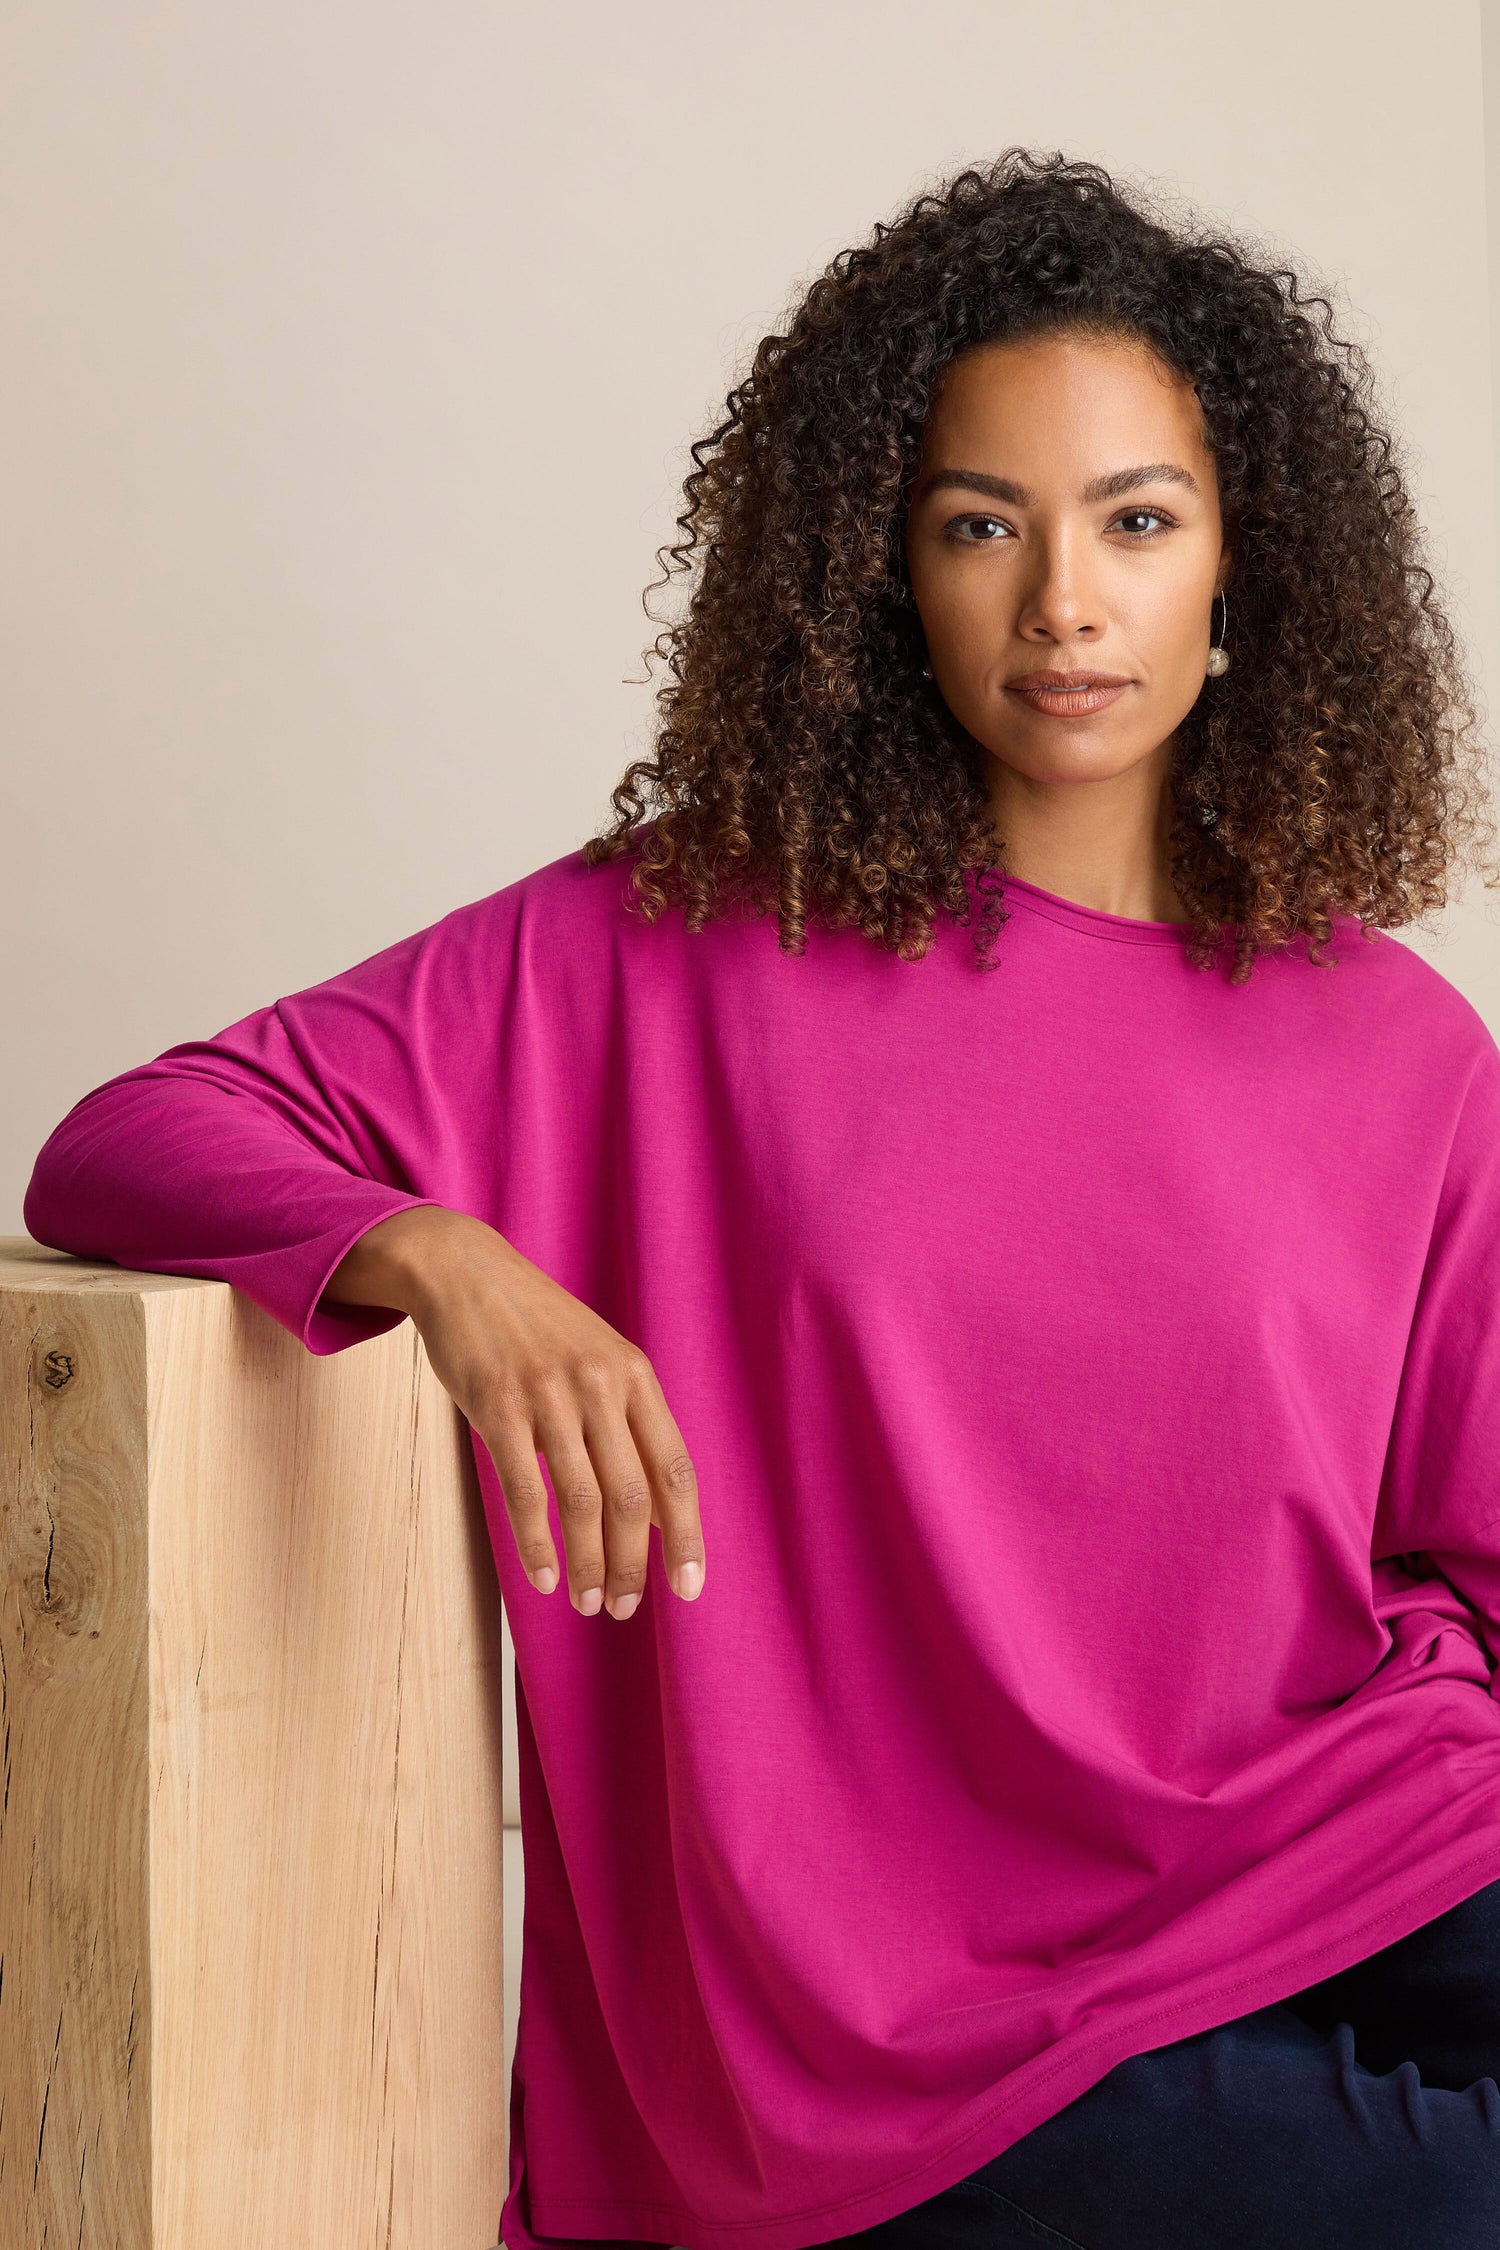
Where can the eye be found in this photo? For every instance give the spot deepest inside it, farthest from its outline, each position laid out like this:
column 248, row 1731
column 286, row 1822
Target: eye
column 955, row 530
column 985, row 531
column 1158, row 515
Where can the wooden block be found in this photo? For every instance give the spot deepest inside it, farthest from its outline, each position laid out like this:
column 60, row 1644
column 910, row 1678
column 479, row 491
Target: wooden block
column 250, row 1781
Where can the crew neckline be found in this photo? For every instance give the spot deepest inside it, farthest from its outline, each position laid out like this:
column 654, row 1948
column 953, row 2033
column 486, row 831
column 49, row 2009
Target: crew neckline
column 1091, row 921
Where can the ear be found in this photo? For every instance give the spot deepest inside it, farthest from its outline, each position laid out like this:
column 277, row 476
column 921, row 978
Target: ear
column 1226, row 565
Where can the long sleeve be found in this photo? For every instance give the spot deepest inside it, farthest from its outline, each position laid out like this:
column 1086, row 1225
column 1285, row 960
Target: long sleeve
column 1440, row 1494
column 260, row 1155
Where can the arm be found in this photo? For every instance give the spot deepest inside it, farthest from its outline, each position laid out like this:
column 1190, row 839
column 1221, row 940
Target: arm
column 1440, row 1494
column 261, row 1155
column 1472, row 1569
column 322, row 1156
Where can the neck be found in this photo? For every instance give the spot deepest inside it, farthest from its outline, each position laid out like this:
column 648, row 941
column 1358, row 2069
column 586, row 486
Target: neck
column 1102, row 842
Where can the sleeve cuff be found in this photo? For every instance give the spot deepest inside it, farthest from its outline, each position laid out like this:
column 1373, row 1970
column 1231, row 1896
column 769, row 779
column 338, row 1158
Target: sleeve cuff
column 329, row 1327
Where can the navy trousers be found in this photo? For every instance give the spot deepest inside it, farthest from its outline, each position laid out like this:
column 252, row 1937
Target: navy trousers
column 1360, row 2114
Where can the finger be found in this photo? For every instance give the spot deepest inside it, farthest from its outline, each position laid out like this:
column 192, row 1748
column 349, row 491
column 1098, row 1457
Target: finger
column 626, row 1491
column 512, row 1448
column 674, row 1483
column 580, row 1504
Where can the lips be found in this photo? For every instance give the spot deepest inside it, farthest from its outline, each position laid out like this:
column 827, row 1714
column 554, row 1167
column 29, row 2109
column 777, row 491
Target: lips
column 1068, row 695
column 1068, row 680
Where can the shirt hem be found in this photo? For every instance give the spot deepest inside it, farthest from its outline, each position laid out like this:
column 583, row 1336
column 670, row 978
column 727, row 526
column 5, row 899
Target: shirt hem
column 1045, row 2092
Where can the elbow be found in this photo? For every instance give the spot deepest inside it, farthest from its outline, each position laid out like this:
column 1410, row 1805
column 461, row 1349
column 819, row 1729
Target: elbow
column 63, row 1206
column 45, row 1208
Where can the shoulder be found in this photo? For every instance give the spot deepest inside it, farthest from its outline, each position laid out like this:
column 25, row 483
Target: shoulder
column 540, row 933
column 562, row 892
column 1399, row 1010
column 1393, row 978
column 562, row 911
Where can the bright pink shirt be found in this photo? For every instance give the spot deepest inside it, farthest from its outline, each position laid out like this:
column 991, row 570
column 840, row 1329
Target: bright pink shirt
column 1092, row 1372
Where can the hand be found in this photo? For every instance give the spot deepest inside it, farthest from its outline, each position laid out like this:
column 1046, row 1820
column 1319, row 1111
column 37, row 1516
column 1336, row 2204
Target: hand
column 536, row 1371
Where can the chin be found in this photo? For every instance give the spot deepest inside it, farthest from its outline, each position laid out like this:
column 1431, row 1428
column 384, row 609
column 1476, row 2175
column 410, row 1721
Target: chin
column 1072, row 754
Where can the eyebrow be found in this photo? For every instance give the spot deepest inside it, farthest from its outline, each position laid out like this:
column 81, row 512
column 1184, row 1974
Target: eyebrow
column 1110, row 487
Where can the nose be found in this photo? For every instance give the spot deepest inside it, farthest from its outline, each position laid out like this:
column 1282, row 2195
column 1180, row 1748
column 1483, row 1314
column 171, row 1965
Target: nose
column 1059, row 599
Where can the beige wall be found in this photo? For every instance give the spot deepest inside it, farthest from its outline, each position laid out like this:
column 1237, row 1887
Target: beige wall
column 350, row 358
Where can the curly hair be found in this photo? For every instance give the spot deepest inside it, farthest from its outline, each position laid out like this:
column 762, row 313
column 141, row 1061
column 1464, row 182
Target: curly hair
column 802, row 759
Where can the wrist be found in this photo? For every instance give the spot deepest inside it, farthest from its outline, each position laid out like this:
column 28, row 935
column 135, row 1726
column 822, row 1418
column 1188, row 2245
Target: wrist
column 392, row 1261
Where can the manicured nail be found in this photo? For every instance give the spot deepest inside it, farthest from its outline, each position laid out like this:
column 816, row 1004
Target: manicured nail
column 544, row 1579
column 590, row 1601
column 689, row 1581
column 625, row 1606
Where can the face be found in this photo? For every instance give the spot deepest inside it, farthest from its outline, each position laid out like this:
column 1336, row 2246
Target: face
column 1065, row 518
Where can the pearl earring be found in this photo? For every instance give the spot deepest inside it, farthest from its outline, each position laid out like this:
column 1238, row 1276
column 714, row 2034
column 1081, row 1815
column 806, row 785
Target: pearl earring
column 1218, row 655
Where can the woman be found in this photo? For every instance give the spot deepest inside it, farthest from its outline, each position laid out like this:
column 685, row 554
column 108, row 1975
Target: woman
column 1070, row 1809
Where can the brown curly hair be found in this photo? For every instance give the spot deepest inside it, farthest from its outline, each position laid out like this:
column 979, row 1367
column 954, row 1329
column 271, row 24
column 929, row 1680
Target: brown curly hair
column 801, row 759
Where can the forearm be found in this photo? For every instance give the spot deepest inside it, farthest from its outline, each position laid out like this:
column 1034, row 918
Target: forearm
column 395, row 1261
column 217, row 1160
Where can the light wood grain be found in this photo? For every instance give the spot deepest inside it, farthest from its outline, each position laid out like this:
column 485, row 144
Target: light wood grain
column 251, row 1847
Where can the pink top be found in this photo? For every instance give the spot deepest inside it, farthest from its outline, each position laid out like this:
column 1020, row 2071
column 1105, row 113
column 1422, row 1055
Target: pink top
column 1087, row 1365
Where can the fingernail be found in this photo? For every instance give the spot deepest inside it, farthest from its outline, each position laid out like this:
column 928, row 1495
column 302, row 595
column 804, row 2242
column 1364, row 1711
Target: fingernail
column 590, row 1600
column 625, row 1606
column 544, row 1579
column 689, row 1580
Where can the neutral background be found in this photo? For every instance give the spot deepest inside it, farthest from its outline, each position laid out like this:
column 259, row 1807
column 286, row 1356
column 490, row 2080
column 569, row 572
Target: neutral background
column 349, row 359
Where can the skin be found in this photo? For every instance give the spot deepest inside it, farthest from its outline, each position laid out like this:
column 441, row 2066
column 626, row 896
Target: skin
column 1006, row 584
column 536, row 1371
column 1003, row 586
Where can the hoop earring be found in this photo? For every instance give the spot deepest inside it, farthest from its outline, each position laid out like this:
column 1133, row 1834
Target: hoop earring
column 1218, row 655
